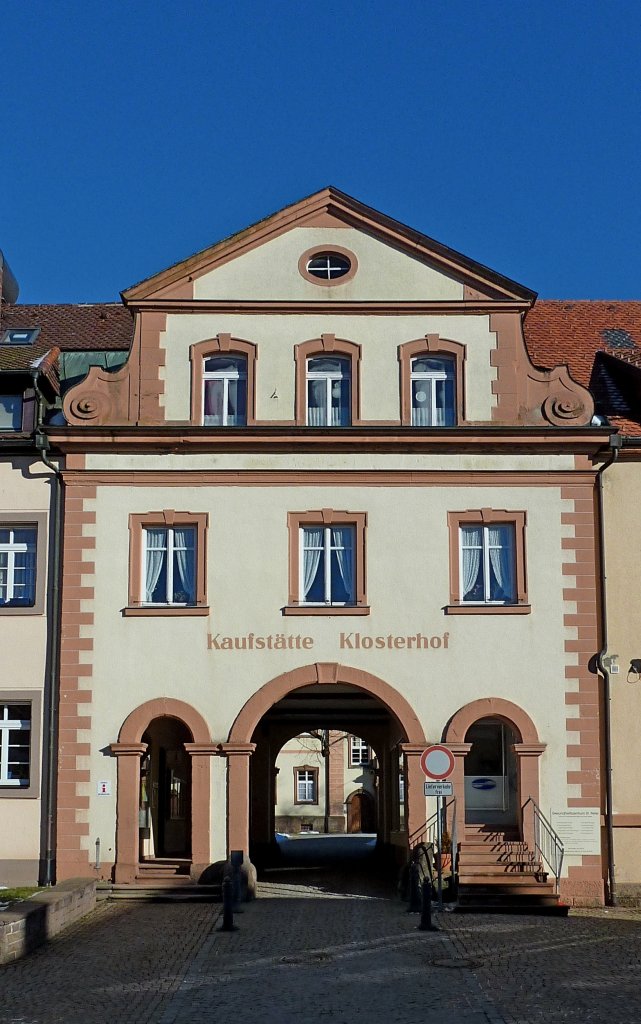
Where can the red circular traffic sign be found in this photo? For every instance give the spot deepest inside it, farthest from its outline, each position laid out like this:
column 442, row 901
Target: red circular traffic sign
column 437, row 762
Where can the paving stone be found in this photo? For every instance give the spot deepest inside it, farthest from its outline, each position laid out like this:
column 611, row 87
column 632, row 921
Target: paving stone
column 325, row 949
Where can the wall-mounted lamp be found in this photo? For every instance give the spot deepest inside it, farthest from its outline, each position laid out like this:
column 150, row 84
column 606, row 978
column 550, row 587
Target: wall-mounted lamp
column 611, row 663
column 635, row 666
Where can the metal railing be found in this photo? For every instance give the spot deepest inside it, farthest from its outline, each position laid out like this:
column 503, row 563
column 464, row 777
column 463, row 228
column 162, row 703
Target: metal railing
column 424, row 844
column 547, row 844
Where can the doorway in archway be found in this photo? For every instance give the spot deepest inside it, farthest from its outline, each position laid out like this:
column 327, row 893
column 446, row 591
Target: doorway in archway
column 491, row 778
column 165, row 791
column 361, row 813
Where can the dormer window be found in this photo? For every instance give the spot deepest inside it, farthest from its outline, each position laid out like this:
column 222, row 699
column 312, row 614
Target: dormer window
column 433, row 391
column 10, row 412
column 225, row 391
column 19, row 336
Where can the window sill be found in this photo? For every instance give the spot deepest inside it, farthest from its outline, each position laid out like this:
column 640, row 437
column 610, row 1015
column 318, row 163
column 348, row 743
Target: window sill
column 163, row 610
column 487, row 609
column 326, row 609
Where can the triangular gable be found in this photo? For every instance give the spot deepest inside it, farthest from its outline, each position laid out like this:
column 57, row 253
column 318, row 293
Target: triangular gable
column 330, row 208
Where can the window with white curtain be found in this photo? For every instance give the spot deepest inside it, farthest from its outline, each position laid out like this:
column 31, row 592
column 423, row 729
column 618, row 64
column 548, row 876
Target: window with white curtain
column 17, row 566
column 225, row 391
column 488, row 563
column 327, row 565
column 328, row 392
column 15, row 744
column 169, row 565
column 306, row 788
column 433, row 383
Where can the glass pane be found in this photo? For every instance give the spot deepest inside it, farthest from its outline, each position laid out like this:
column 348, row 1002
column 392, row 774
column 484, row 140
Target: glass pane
column 341, row 577
column 230, row 366
column 444, row 403
column 184, row 576
column 472, row 576
column 10, row 412
column 236, row 403
column 27, row 537
column 314, row 581
column 4, row 536
column 421, row 403
column 334, row 367
column 502, row 563
column 213, row 409
column 431, row 365
column 341, row 413
column 316, row 403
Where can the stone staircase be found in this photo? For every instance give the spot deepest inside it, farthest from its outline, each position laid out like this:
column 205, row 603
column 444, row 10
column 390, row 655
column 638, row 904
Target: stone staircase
column 498, row 872
column 162, row 880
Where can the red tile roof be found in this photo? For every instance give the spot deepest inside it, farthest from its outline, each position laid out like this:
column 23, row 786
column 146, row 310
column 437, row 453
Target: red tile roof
column 600, row 342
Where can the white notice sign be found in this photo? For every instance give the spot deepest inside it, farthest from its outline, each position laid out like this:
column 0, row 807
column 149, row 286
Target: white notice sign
column 438, row 788
column 579, row 829
column 103, row 788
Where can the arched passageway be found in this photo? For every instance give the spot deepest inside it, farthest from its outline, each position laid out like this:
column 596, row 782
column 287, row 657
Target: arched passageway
column 325, row 700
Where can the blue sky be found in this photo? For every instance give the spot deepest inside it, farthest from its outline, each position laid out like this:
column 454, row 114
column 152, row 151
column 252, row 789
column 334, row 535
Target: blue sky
column 136, row 134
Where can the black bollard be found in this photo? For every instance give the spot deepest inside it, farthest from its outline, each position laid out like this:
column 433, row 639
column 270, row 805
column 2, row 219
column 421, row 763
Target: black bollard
column 236, row 859
column 426, row 908
column 228, row 905
column 415, row 889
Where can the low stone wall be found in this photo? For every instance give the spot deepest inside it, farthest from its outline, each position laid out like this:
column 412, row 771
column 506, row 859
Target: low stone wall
column 32, row 922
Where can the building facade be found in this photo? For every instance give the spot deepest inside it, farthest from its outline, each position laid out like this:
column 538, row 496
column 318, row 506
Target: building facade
column 328, row 491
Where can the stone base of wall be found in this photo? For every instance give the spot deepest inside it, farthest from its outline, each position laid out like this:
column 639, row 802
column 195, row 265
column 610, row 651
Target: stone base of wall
column 293, row 824
column 582, row 892
column 16, row 873
column 629, row 894
column 31, row 923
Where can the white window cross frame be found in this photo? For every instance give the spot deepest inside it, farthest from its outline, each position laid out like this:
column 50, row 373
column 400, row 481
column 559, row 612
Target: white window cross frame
column 359, row 753
column 485, row 547
column 8, row 726
column 305, row 786
column 330, row 378
column 19, row 581
column 228, row 374
column 326, row 547
column 429, row 380
column 169, row 548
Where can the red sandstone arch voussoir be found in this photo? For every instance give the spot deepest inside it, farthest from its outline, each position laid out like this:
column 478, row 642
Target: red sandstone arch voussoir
column 163, row 707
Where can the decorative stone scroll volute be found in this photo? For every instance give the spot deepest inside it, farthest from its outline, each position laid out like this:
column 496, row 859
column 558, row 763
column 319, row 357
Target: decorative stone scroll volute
column 101, row 399
column 527, row 396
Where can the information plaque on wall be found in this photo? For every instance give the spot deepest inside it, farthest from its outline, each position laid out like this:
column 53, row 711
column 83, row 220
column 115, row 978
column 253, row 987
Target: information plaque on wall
column 579, row 829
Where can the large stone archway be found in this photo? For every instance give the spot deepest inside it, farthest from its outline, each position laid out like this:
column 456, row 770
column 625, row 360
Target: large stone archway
column 240, row 745
column 528, row 750
column 128, row 750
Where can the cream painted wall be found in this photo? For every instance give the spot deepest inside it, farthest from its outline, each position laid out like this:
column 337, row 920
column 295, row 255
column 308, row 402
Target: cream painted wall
column 296, row 753
column 622, row 501
column 270, row 271
column 24, row 487
column 379, row 336
column 137, row 659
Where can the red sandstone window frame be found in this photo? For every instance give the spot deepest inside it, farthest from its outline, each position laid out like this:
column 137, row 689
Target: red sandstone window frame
column 431, row 345
column 138, row 523
column 222, row 344
column 306, row 768
column 327, row 517
column 36, row 521
column 327, row 344
column 488, row 517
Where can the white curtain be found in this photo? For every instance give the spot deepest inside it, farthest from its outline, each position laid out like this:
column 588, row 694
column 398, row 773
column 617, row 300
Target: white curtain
column 312, row 550
column 501, row 539
column 184, row 548
column 214, row 399
column 316, row 402
column 471, row 557
column 342, row 541
column 154, row 559
column 421, row 402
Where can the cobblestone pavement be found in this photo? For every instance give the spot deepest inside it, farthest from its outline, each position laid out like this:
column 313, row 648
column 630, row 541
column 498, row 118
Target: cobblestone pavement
column 321, row 948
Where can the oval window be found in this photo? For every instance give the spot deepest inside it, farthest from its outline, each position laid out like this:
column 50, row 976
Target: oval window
column 328, row 266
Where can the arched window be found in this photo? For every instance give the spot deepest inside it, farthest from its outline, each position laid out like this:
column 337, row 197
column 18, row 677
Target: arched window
column 225, row 391
column 432, row 382
column 223, row 375
column 328, row 391
column 433, row 391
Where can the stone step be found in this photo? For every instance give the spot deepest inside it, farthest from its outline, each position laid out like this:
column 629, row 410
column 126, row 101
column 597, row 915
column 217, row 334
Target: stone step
column 161, row 893
column 544, row 904
column 489, row 856
column 494, row 886
column 502, row 870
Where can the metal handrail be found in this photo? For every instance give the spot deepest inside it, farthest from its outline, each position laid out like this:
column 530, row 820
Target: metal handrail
column 547, row 844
